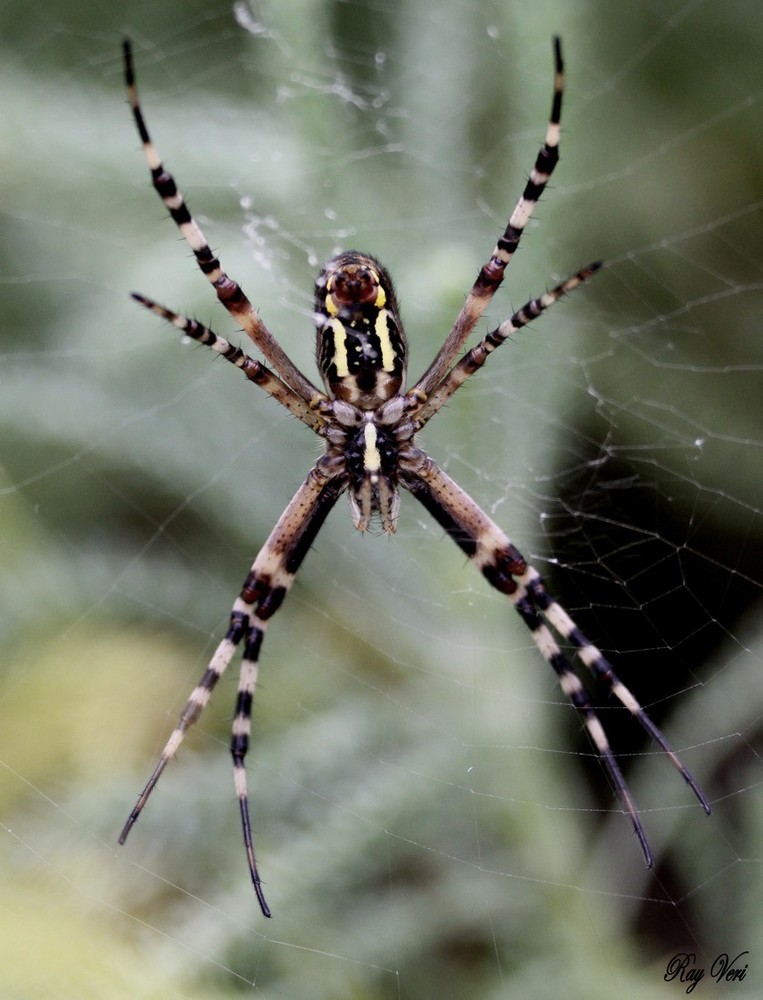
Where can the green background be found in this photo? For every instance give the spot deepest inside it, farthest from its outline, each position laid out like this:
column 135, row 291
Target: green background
column 427, row 814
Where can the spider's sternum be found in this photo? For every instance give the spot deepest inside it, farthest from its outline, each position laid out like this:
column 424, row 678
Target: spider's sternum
column 361, row 346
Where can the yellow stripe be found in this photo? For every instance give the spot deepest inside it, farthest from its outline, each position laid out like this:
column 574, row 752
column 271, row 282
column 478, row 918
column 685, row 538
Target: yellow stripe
column 371, row 456
column 340, row 349
column 388, row 353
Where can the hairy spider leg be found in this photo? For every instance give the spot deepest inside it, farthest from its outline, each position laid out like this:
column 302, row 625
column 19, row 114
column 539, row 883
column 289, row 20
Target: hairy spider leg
column 264, row 590
column 229, row 292
column 505, row 568
column 254, row 370
column 474, row 359
column 491, row 274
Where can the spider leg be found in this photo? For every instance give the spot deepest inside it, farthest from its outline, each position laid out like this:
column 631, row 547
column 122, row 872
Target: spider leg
column 491, row 274
column 505, row 569
column 255, row 371
column 601, row 668
column 264, row 590
column 229, row 292
column 474, row 359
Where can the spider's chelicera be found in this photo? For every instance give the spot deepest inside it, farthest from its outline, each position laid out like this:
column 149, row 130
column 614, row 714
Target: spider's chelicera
column 369, row 421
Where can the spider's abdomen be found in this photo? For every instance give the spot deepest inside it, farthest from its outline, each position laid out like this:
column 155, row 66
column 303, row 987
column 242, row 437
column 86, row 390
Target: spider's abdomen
column 361, row 346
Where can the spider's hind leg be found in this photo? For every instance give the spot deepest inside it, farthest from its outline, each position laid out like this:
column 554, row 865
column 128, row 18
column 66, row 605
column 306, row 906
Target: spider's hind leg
column 505, row 569
column 264, row 590
column 602, row 669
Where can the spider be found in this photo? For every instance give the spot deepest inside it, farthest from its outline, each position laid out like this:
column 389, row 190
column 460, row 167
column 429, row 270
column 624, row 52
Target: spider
column 369, row 421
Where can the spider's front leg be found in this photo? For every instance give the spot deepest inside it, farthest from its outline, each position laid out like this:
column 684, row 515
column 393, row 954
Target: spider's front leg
column 264, row 590
column 228, row 291
column 505, row 569
column 491, row 274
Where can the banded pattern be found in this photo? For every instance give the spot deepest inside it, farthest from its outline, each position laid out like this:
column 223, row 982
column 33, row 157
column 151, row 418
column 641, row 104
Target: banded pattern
column 255, row 371
column 491, row 274
column 368, row 422
column 505, row 568
column 474, row 359
column 266, row 585
column 228, row 291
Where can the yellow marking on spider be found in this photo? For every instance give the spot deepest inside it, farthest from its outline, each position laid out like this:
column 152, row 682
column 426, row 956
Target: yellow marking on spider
column 340, row 348
column 381, row 328
column 371, row 455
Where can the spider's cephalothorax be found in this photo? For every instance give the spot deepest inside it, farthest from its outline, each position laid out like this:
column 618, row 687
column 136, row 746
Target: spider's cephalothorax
column 361, row 347
column 367, row 421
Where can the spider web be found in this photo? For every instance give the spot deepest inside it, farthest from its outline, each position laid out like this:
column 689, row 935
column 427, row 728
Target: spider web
column 428, row 813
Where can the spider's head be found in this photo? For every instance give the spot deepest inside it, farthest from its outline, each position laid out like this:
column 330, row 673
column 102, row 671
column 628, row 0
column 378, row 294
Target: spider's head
column 361, row 346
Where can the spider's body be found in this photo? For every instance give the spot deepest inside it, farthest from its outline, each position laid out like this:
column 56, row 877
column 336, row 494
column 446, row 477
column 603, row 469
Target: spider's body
column 361, row 348
column 361, row 352
column 368, row 421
